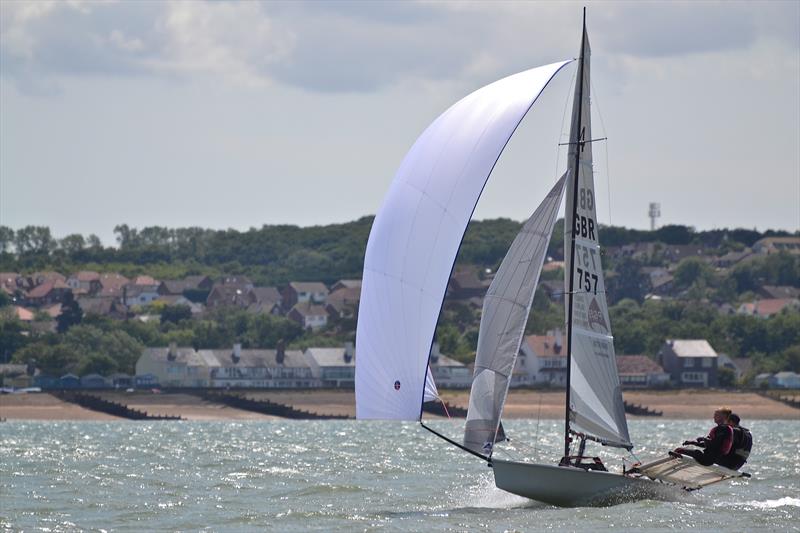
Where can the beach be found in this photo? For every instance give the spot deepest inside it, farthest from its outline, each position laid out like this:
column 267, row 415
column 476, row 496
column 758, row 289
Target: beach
column 521, row 404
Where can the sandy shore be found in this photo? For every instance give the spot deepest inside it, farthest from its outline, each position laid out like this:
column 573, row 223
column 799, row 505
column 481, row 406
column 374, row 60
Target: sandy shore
column 521, row 404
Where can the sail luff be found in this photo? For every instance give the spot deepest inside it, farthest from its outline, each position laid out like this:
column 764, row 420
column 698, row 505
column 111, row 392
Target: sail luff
column 575, row 136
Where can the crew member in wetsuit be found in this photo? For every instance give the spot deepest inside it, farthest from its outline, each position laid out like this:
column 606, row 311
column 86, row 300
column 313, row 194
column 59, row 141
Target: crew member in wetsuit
column 742, row 444
column 716, row 445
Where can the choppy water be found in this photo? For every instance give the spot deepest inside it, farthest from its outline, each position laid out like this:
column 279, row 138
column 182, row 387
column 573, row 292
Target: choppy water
column 346, row 476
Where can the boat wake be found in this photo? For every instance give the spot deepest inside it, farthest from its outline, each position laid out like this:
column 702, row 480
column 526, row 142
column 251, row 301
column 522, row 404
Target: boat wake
column 773, row 504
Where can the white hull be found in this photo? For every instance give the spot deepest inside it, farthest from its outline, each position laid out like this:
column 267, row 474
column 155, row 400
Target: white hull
column 573, row 487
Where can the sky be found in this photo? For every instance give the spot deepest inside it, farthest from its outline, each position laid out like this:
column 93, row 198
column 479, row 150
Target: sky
column 239, row 114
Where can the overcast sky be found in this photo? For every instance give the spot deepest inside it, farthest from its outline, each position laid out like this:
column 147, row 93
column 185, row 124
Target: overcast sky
column 239, row 114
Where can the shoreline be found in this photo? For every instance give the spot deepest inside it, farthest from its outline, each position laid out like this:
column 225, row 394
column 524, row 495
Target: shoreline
column 675, row 404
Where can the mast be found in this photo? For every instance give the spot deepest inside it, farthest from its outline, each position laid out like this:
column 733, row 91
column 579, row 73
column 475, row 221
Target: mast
column 579, row 96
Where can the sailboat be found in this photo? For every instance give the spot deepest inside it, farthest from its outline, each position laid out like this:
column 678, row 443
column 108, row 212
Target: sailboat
column 410, row 254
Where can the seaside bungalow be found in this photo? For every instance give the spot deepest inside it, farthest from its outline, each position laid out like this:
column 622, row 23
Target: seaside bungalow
column 69, row 381
column 449, row 373
column 120, row 380
column 639, row 371
column 237, row 368
column 333, row 367
column 18, row 376
column 691, row 363
column 94, row 381
column 298, row 292
column 543, row 359
column 309, row 316
column 774, row 245
column 145, row 381
column 174, row 366
column 785, row 380
column 769, row 307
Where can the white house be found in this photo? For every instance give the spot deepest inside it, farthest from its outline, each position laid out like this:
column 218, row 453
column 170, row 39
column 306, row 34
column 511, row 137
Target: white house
column 333, row 367
column 542, row 360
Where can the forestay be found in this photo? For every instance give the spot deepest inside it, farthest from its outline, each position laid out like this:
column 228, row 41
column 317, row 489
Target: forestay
column 505, row 313
column 416, row 235
column 596, row 405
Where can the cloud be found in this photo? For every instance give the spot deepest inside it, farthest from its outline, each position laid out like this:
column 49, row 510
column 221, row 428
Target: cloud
column 359, row 46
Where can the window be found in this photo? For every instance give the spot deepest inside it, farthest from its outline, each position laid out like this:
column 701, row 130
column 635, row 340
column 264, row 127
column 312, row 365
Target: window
column 707, row 362
column 688, row 362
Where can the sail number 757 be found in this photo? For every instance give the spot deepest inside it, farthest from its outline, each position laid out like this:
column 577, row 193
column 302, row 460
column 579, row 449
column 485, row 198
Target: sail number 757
column 587, row 280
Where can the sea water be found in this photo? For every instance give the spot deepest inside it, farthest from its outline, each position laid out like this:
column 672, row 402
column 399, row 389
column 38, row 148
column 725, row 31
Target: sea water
column 351, row 476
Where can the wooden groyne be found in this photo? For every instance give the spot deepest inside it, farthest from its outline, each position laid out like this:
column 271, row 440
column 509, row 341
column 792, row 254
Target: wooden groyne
column 95, row 403
column 442, row 408
column 641, row 410
column 266, row 407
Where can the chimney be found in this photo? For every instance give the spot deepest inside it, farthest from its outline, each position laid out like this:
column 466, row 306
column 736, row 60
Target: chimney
column 280, row 352
column 124, row 295
column 558, row 342
column 236, row 356
column 172, row 352
column 348, row 352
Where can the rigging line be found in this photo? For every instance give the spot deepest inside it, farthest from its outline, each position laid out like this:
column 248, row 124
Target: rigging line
column 454, row 443
column 564, row 117
column 538, row 420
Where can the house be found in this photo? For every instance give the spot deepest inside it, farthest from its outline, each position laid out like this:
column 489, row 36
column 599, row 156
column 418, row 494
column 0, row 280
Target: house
column 785, row 380
column 37, row 278
column 675, row 253
column 297, row 292
column 732, row 258
column 232, row 295
column 333, row 367
column 174, row 367
column 774, row 245
column 141, row 291
column 309, row 315
column 111, row 286
column 639, row 371
column 346, row 284
column 84, row 282
column 107, row 306
column 47, row 293
column 690, row 363
column 173, row 299
column 448, row 373
column 189, row 283
column 740, row 365
column 543, row 359
column 24, row 315
column 465, row 284
column 768, row 307
column 238, row 368
column 778, row 292
column 17, row 376
column 10, row 282
column 343, row 302
column 553, row 266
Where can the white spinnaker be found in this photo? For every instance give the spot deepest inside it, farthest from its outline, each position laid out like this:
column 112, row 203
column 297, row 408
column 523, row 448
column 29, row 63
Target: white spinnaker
column 505, row 313
column 416, row 235
column 596, row 405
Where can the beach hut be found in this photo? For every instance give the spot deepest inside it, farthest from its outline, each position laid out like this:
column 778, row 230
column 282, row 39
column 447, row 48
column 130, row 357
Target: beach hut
column 69, row 381
column 94, row 381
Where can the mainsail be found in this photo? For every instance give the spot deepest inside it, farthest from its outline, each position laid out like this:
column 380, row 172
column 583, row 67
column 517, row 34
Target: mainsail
column 595, row 406
column 505, row 312
column 416, row 235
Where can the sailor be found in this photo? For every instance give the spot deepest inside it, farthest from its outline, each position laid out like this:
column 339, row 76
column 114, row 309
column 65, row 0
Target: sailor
column 716, row 446
column 742, row 444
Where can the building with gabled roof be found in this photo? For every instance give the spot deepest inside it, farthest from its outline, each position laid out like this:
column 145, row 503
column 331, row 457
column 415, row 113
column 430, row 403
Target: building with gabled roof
column 774, row 245
column 333, row 367
column 346, row 284
column 308, row 315
column 690, row 362
column 298, row 292
column 639, row 371
column 768, row 307
column 111, row 285
column 258, row 368
column 47, row 293
column 542, row 360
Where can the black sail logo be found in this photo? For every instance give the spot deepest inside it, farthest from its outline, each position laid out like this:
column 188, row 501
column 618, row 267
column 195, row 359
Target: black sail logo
column 596, row 320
